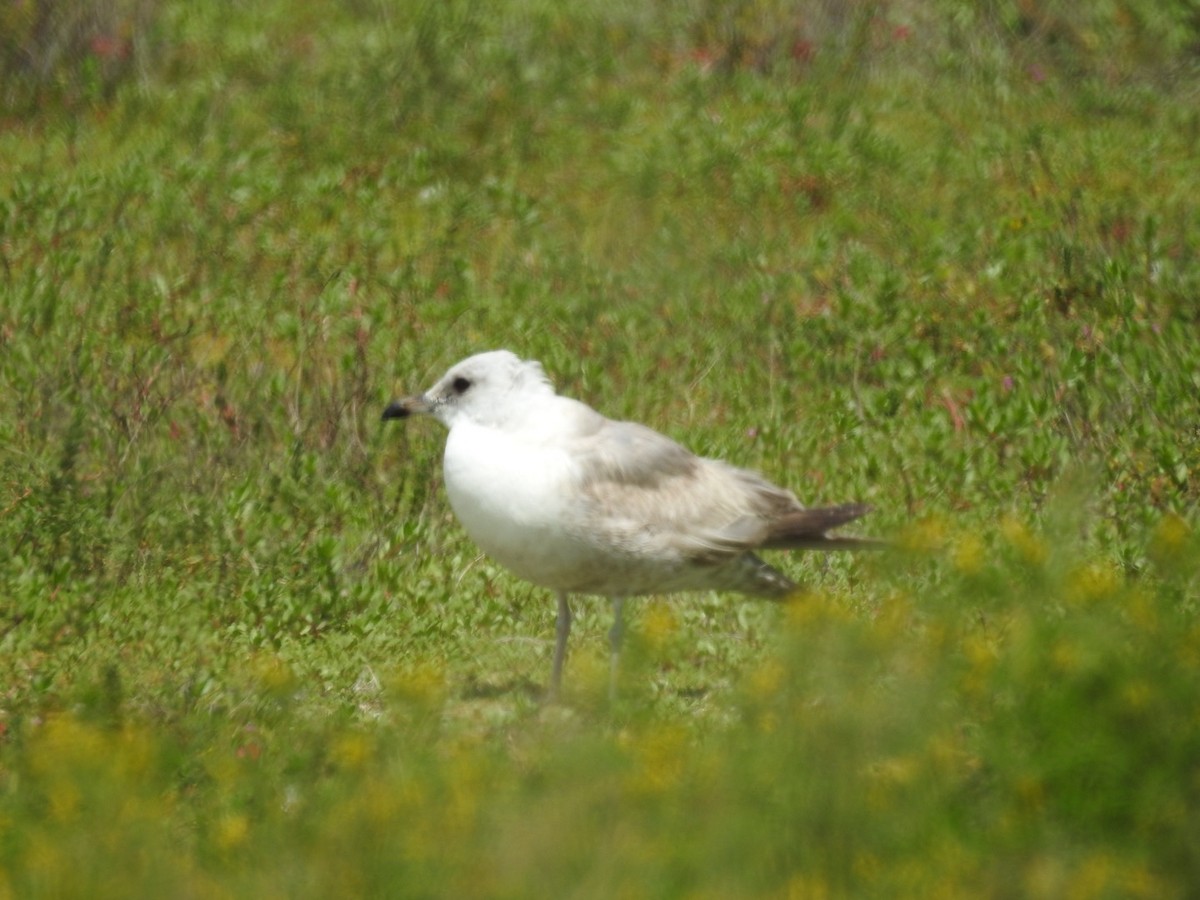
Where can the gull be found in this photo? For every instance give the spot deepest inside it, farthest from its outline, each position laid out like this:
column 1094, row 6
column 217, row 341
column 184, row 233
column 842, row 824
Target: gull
column 579, row 503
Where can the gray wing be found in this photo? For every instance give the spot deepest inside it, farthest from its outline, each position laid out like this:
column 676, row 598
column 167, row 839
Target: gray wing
column 645, row 486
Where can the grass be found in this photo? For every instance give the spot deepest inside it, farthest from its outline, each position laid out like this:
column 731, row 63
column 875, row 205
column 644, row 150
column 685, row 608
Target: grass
column 943, row 262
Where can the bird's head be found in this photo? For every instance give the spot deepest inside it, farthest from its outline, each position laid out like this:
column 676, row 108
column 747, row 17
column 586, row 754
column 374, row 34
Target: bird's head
column 487, row 388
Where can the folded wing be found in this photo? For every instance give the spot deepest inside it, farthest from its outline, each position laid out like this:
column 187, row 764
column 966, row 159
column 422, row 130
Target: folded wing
column 643, row 484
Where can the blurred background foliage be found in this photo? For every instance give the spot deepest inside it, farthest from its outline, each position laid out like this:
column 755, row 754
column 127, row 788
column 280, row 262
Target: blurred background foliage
column 934, row 256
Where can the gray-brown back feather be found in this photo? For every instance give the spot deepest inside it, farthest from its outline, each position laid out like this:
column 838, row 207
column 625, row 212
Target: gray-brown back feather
column 702, row 509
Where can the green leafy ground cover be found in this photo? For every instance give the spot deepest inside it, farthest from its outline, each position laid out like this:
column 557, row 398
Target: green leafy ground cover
column 944, row 262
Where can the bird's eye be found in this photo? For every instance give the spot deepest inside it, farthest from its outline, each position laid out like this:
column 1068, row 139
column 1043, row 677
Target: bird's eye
column 460, row 384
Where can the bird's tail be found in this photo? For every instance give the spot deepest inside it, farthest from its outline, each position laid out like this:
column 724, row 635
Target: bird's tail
column 807, row 530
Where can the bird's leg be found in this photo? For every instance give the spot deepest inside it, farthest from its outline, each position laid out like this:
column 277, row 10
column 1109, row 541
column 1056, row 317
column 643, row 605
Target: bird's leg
column 561, row 632
column 615, row 636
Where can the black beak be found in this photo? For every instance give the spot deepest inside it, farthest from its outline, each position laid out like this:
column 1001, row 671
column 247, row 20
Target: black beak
column 405, row 407
column 397, row 409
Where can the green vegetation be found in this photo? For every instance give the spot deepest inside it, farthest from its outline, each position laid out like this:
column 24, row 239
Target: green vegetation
column 938, row 260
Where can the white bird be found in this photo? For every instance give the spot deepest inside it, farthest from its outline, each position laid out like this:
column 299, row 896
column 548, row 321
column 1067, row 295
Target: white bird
column 581, row 504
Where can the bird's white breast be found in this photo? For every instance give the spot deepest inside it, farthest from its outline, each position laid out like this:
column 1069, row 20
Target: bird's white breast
column 512, row 497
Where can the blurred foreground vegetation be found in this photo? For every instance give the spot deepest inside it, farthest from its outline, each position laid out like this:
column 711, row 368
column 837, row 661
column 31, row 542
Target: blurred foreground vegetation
column 936, row 258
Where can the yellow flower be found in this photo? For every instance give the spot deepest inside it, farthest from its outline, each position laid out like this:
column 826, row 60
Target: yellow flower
column 1031, row 792
column 351, row 752
column 66, row 742
column 896, row 770
column 1137, row 695
column 64, row 800
column 383, row 803
column 925, row 535
column 766, row 679
column 658, row 756
column 210, row 349
column 1066, row 656
column 768, row 722
column 1189, row 648
column 45, row 859
column 136, row 751
column 980, row 652
column 968, row 556
column 1143, row 611
column 808, row 608
column 232, row 831
column 808, row 887
column 1091, row 582
column 468, row 776
column 868, row 866
column 591, row 671
column 1170, row 539
column 1139, row 881
column 1095, row 878
column 422, row 685
column 947, row 755
column 981, row 655
column 1031, row 549
column 273, row 674
column 659, row 625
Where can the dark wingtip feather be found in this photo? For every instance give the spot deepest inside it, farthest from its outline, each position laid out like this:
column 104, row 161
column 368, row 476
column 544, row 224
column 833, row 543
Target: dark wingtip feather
column 806, row 529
